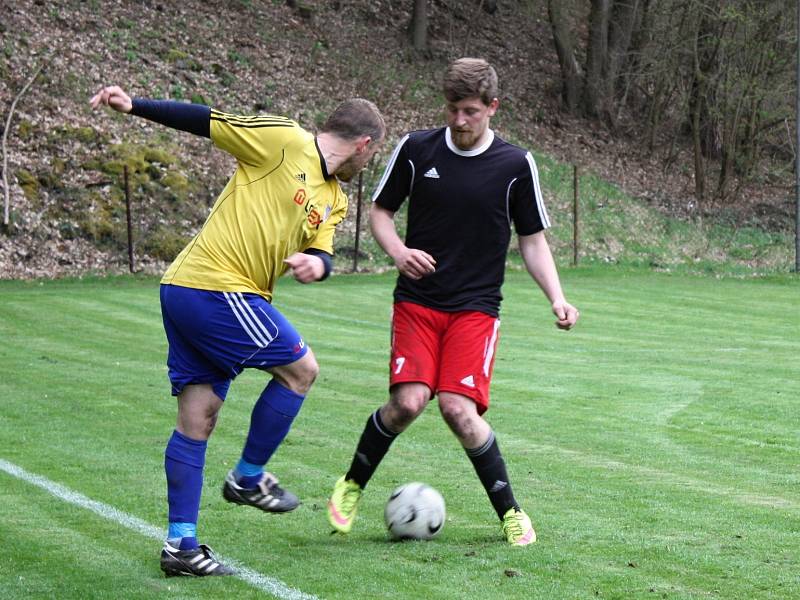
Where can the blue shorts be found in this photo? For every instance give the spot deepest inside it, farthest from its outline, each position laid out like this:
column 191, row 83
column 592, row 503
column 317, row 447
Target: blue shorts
column 214, row 336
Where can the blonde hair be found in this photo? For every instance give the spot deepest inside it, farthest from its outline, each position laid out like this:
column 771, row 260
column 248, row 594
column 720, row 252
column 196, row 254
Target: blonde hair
column 355, row 118
column 470, row 78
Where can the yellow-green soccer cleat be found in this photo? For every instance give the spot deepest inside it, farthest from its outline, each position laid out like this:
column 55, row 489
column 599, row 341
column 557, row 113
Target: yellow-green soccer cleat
column 343, row 504
column 517, row 528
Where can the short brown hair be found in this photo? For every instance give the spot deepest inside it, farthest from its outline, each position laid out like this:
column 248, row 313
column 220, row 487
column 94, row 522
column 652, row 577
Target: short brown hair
column 470, row 78
column 355, row 118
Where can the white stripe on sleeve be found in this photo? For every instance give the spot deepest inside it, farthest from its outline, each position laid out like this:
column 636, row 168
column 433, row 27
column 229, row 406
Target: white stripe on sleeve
column 389, row 167
column 537, row 191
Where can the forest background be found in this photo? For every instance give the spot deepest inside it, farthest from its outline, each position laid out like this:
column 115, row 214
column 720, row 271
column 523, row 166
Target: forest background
column 678, row 114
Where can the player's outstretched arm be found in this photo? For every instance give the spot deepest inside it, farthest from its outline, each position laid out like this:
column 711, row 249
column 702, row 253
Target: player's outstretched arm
column 113, row 96
column 412, row 263
column 539, row 262
column 194, row 118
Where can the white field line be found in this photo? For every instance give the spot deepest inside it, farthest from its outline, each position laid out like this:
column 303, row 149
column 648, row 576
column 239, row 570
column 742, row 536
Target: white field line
column 263, row 582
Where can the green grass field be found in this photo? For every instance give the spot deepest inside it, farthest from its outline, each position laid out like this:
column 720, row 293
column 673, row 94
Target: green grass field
column 656, row 446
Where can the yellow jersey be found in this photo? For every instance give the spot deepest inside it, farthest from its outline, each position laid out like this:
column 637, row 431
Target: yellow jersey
column 280, row 200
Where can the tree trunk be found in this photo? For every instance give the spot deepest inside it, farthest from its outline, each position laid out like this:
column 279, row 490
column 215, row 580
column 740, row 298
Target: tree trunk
column 696, row 96
column 596, row 57
column 699, row 162
column 702, row 98
column 565, row 49
column 624, row 18
column 641, row 37
column 419, row 25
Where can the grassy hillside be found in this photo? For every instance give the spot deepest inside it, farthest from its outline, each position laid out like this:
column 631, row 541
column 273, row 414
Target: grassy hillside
column 65, row 163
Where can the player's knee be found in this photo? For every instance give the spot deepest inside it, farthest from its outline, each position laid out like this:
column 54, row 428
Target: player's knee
column 198, row 426
column 308, row 375
column 198, row 410
column 407, row 406
column 301, row 375
column 454, row 411
column 449, row 410
column 211, row 423
column 401, row 417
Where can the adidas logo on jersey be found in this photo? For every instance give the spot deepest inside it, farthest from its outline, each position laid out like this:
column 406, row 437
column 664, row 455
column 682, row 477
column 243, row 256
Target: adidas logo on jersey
column 301, row 177
column 468, row 381
column 432, row 173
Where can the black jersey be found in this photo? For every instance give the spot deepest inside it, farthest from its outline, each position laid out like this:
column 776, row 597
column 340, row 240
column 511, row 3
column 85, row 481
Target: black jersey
column 461, row 208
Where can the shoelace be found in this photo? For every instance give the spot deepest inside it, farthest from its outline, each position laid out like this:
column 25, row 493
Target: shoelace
column 513, row 526
column 269, row 486
column 350, row 498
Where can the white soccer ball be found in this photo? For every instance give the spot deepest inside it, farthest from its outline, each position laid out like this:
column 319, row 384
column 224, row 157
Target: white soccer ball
column 414, row 511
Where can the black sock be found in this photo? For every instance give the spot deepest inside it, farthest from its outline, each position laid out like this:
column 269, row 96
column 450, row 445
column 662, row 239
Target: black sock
column 491, row 470
column 372, row 446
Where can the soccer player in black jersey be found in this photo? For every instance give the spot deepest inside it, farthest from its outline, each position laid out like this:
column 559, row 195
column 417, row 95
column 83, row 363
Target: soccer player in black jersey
column 466, row 188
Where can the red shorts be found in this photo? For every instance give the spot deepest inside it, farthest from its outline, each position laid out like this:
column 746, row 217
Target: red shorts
column 447, row 351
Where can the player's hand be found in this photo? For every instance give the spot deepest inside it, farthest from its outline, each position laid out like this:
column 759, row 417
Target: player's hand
column 415, row 264
column 306, row 267
column 112, row 96
column 566, row 315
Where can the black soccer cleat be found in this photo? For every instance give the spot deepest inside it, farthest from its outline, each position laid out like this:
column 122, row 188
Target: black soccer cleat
column 267, row 495
column 198, row 562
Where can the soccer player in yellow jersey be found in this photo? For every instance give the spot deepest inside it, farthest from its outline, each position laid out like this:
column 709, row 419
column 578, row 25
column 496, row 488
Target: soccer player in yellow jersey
column 278, row 212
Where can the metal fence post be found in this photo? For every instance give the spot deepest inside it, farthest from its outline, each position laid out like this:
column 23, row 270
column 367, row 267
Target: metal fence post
column 128, row 216
column 575, row 229
column 358, row 222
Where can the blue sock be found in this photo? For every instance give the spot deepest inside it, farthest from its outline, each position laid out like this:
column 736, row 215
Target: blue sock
column 247, row 474
column 184, row 459
column 270, row 421
column 182, row 536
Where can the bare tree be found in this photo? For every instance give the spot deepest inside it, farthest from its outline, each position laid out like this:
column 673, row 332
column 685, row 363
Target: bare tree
column 625, row 18
column 710, row 74
column 571, row 72
column 596, row 58
column 705, row 69
column 611, row 26
column 6, row 190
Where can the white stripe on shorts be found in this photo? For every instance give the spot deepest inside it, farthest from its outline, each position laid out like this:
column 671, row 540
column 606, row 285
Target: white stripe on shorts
column 247, row 320
column 256, row 319
column 490, row 350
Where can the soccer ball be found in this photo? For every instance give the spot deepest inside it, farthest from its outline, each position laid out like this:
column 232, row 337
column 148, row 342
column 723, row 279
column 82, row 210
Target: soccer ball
column 414, row 511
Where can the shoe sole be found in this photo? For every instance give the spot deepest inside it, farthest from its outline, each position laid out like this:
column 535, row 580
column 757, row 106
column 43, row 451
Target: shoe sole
column 171, row 573
column 182, row 572
column 185, row 574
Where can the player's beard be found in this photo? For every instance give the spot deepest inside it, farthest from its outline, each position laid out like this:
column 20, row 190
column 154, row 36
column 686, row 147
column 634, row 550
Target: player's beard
column 348, row 169
column 464, row 139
